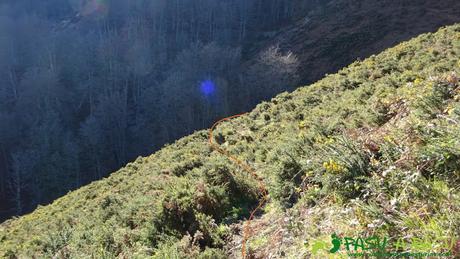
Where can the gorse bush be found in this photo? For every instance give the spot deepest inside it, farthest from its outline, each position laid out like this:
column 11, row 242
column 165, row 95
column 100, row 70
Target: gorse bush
column 286, row 181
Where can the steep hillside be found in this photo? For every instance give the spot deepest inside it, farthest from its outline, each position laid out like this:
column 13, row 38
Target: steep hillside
column 338, row 32
column 371, row 150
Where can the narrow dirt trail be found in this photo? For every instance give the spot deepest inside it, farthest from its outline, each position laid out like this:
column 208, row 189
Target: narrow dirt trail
column 246, row 167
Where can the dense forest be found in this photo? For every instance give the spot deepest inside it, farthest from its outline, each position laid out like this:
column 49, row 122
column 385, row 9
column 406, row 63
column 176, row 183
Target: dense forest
column 89, row 85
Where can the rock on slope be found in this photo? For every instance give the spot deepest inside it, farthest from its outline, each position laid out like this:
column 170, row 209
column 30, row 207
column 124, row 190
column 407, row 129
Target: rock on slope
column 371, row 150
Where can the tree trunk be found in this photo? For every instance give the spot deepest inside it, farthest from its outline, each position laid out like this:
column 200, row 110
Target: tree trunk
column 13, row 82
column 16, row 182
column 4, row 177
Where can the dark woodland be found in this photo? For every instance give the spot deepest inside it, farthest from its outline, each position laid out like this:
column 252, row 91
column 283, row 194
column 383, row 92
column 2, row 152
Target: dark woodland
column 87, row 86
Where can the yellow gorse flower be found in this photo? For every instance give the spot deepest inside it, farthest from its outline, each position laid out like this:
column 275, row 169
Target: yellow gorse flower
column 333, row 167
column 418, row 81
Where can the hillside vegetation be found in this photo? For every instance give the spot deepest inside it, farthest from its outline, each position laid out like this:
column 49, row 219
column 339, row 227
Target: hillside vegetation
column 371, row 150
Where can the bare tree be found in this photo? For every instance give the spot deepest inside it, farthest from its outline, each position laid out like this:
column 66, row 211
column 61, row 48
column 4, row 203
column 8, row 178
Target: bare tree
column 21, row 173
column 272, row 73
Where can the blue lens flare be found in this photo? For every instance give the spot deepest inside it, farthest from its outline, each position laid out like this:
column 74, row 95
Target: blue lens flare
column 207, row 87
